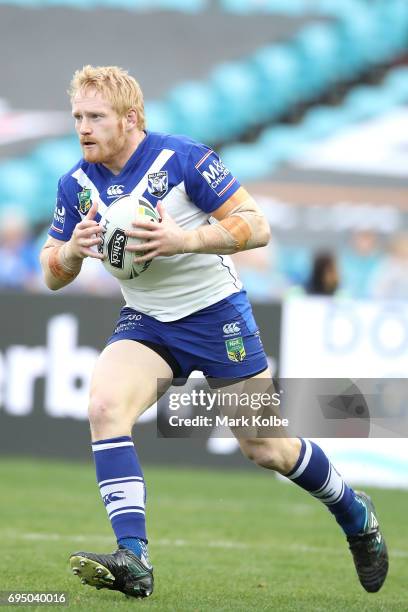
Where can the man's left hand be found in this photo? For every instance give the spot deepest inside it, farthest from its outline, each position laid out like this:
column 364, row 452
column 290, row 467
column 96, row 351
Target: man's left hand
column 165, row 238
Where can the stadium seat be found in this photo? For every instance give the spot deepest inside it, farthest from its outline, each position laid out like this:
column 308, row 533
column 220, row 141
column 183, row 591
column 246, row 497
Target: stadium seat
column 246, row 161
column 358, row 36
column 365, row 102
column 294, row 263
column 194, row 109
column 392, row 19
column 332, row 8
column 21, row 185
column 318, row 51
column 282, row 142
column 235, row 88
column 279, row 86
column 322, row 121
column 397, row 84
column 159, row 117
column 57, row 156
column 52, row 159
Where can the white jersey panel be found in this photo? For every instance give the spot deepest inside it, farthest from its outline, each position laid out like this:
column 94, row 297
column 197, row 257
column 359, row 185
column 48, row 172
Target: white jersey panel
column 192, row 181
column 174, row 287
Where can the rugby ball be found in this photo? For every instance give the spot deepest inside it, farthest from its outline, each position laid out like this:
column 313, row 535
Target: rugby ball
column 115, row 222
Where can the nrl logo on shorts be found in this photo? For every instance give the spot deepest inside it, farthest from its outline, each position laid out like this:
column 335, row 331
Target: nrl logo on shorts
column 235, row 349
column 158, row 183
column 84, row 199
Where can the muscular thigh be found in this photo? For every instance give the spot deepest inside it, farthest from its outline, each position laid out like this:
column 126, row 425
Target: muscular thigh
column 128, row 377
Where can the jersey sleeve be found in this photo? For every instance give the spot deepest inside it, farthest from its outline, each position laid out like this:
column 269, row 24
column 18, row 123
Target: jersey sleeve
column 207, row 181
column 66, row 215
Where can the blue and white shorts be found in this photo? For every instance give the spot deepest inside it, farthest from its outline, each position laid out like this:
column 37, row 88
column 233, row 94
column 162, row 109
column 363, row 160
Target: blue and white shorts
column 222, row 340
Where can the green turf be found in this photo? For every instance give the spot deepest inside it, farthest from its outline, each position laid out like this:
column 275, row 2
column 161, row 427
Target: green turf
column 220, row 541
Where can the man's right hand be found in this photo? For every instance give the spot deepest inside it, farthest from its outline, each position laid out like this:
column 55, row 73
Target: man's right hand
column 87, row 233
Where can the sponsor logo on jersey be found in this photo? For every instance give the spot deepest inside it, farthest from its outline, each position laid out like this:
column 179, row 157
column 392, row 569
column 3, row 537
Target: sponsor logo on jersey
column 112, row 497
column 158, row 183
column 59, row 219
column 85, row 200
column 115, row 190
column 235, row 349
column 215, row 174
column 230, row 329
column 116, row 248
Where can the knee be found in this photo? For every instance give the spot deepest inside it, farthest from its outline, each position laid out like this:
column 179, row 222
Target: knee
column 102, row 410
column 273, row 454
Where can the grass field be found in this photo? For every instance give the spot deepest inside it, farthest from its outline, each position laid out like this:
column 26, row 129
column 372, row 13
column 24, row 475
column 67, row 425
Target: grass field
column 220, row 541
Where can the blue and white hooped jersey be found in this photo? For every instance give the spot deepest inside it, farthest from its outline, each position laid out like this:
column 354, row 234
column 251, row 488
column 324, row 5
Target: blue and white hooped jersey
column 192, row 182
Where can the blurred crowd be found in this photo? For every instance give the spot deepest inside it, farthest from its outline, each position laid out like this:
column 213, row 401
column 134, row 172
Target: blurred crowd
column 364, row 265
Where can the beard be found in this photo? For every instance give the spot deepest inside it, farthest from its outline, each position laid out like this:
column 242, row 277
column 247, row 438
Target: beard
column 104, row 152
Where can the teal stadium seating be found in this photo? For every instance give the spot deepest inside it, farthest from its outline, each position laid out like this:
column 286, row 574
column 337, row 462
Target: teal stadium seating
column 234, row 85
column 280, row 80
column 160, row 118
column 240, row 95
column 281, row 143
column 365, row 102
column 318, row 49
column 275, row 78
column 194, row 109
column 21, row 184
column 53, row 158
column 397, row 82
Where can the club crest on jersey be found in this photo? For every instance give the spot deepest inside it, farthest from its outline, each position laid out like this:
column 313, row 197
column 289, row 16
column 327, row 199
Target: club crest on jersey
column 158, row 183
column 84, row 199
column 235, row 349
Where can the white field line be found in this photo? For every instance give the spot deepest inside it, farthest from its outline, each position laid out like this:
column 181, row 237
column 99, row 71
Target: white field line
column 179, row 543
